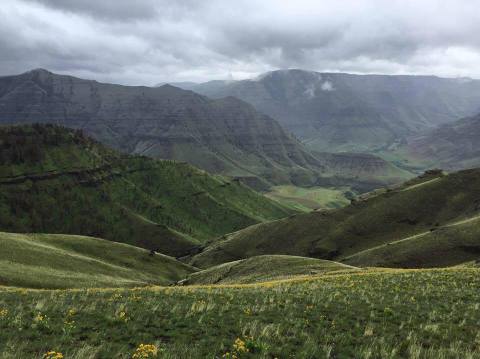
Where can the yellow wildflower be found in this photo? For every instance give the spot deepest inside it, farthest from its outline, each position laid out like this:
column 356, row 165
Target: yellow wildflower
column 40, row 318
column 239, row 346
column 53, row 355
column 122, row 316
column 145, row 351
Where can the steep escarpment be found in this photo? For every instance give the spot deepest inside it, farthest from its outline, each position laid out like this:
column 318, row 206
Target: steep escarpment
column 344, row 112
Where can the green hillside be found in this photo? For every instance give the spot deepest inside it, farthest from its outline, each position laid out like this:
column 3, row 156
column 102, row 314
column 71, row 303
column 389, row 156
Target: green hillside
column 54, row 180
column 439, row 247
column 373, row 314
column 67, row 261
column 264, row 268
column 423, row 204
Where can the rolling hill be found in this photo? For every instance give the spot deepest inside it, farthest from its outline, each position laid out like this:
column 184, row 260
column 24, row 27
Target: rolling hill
column 443, row 204
column 354, row 113
column 443, row 246
column 263, row 269
column 451, row 146
column 56, row 180
column 53, row 261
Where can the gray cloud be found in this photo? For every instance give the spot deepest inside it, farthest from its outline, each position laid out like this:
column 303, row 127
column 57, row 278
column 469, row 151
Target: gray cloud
column 150, row 41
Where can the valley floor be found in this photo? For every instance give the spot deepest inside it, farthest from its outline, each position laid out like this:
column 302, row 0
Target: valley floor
column 306, row 199
column 362, row 314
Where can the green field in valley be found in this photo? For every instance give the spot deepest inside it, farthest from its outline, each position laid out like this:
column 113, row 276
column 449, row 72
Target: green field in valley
column 306, row 199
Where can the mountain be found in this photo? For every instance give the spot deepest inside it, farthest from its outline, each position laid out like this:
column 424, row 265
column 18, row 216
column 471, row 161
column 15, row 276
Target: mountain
column 451, row 146
column 355, row 113
column 56, row 261
column 389, row 219
column 57, row 180
column 225, row 136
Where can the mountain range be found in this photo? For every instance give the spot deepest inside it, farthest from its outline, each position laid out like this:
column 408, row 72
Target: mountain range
column 339, row 112
column 226, row 135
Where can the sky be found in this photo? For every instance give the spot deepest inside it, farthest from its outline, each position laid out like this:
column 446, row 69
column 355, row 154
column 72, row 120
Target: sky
column 144, row 42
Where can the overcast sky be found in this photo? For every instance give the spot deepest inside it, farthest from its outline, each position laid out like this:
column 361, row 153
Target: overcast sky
column 151, row 41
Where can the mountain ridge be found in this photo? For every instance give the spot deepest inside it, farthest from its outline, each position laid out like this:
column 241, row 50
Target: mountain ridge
column 164, row 122
column 339, row 112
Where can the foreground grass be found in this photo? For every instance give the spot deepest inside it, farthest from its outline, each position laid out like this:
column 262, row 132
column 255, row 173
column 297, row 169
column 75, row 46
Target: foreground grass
column 376, row 314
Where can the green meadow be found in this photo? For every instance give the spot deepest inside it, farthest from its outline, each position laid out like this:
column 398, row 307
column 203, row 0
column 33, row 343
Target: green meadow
column 368, row 314
column 306, row 199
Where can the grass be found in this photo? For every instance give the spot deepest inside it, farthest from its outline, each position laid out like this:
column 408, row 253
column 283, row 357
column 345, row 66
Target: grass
column 264, row 268
column 441, row 246
column 65, row 261
column 370, row 222
column 306, row 199
column 373, row 314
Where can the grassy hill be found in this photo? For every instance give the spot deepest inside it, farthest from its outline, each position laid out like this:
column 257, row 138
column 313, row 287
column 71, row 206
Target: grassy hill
column 391, row 313
column 439, row 247
column 67, row 261
column 264, row 268
column 54, row 180
column 423, row 204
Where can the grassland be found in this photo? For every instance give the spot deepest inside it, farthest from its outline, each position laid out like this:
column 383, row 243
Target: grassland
column 419, row 206
column 448, row 245
column 264, row 268
column 306, row 199
column 373, row 314
column 63, row 261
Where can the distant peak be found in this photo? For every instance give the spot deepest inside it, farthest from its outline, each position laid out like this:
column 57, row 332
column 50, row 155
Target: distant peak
column 39, row 71
column 285, row 72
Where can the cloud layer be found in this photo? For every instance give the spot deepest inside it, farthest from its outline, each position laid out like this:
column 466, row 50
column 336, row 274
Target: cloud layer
column 151, row 41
